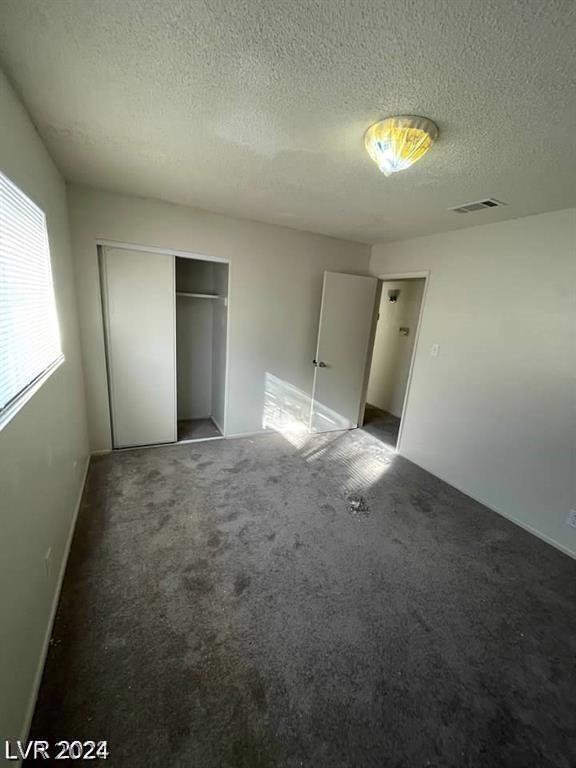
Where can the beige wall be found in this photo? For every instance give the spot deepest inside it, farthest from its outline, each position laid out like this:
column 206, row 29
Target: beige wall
column 392, row 352
column 494, row 412
column 274, row 294
column 43, row 449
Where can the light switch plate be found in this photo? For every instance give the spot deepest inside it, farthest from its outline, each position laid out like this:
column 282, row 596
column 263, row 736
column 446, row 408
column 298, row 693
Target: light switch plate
column 435, row 350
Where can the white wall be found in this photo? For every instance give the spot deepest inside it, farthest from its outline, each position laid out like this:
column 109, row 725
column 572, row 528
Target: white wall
column 392, row 352
column 194, row 322
column 494, row 413
column 274, row 294
column 43, row 450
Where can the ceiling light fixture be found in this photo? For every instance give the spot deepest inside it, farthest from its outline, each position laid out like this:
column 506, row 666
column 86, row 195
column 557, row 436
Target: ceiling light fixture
column 398, row 142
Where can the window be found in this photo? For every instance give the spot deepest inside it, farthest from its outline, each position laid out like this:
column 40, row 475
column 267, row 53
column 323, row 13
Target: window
column 29, row 333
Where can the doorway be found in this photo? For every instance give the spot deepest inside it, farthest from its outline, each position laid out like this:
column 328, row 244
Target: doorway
column 392, row 354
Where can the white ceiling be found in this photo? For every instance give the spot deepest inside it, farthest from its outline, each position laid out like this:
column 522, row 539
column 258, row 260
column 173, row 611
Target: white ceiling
column 257, row 108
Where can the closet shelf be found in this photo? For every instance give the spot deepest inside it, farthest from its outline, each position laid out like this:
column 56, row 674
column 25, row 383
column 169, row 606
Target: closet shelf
column 198, row 295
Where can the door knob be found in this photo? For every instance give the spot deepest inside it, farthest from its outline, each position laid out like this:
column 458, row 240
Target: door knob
column 322, row 365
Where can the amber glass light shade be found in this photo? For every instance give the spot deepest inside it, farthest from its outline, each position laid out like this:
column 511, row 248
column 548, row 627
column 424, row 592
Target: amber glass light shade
column 398, row 142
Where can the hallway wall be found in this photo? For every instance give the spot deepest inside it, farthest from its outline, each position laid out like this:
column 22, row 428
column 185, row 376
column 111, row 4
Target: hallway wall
column 392, row 351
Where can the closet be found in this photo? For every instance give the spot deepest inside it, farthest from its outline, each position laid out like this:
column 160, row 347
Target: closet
column 165, row 322
column 201, row 319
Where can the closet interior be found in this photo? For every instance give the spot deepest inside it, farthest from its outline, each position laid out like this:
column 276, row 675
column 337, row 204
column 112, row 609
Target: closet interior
column 201, row 323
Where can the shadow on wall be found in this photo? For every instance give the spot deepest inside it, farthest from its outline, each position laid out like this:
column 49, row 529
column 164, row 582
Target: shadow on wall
column 359, row 463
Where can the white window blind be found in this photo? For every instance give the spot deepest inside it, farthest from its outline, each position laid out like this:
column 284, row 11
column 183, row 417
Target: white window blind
column 29, row 333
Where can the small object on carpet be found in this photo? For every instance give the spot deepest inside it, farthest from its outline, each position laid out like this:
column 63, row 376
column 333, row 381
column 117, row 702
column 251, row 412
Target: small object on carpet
column 357, row 505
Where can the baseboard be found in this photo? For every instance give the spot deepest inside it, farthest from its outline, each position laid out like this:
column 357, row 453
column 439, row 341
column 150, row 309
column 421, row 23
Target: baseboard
column 259, row 433
column 534, row 532
column 184, row 442
column 106, row 451
column 520, row 523
column 48, row 635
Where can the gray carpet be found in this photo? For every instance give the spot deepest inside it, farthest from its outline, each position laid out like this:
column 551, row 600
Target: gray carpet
column 255, row 603
column 197, row 429
column 382, row 425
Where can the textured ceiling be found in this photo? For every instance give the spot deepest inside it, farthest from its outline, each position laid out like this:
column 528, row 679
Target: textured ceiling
column 257, row 108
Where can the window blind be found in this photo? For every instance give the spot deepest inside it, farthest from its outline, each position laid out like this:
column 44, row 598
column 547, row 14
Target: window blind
column 29, row 333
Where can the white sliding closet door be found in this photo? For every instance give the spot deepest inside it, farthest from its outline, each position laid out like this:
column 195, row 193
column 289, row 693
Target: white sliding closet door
column 140, row 324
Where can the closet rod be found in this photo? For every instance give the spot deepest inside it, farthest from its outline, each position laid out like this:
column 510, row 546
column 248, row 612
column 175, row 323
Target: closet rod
column 198, row 295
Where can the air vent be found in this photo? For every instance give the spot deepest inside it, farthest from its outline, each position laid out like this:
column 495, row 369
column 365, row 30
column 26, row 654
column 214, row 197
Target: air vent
column 479, row 205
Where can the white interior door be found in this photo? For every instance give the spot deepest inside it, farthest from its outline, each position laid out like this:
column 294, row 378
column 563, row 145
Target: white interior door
column 346, row 318
column 140, row 329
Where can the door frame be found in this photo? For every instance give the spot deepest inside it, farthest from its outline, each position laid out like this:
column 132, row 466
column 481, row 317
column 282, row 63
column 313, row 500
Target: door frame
column 103, row 243
column 420, row 274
